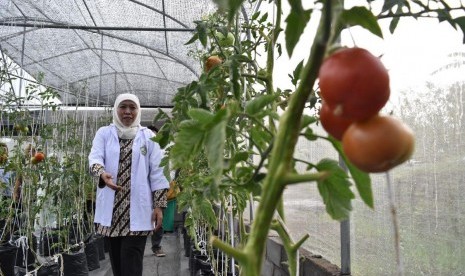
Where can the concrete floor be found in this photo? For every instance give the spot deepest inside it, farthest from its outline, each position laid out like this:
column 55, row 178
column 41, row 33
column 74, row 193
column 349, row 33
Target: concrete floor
column 173, row 264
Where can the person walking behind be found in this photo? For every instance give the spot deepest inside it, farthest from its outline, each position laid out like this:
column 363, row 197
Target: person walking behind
column 132, row 188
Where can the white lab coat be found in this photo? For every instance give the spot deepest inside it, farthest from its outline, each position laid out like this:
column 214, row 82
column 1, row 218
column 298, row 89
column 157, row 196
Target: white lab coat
column 146, row 175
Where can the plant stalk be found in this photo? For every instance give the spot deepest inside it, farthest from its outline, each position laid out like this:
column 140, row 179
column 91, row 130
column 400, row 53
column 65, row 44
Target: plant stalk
column 282, row 153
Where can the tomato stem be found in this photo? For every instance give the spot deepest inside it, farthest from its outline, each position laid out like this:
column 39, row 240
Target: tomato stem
column 294, row 178
column 283, row 149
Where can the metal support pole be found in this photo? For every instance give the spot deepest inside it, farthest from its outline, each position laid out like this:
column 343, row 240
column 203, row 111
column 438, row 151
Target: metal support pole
column 345, row 237
column 231, row 231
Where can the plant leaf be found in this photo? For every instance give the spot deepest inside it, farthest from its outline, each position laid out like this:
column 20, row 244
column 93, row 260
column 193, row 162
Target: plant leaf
column 296, row 73
column 460, row 21
column 359, row 16
column 256, row 105
column 214, row 147
column 295, row 24
column 188, row 143
column 201, row 115
column 362, row 180
column 204, row 209
column 335, row 190
column 193, row 38
column 231, row 6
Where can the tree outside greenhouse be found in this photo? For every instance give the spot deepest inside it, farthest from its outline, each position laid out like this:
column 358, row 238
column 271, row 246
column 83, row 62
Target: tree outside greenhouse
column 239, row 140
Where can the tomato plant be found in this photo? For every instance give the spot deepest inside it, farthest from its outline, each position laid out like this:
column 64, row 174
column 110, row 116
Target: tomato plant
column 354, row 83
column 333, row 124
column 354, row 86
column 378, row 144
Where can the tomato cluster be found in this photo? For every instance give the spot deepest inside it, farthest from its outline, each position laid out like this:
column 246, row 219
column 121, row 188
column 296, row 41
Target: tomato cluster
column 354, row 87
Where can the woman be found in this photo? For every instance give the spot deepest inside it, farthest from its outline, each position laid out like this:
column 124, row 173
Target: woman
column 132, row 187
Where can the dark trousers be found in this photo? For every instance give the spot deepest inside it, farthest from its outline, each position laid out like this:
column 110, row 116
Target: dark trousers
column 156, row 239
column 127, row 255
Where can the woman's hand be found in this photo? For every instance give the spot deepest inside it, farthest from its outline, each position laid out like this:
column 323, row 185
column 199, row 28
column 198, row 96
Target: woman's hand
column 157, row 217
column 108, row 179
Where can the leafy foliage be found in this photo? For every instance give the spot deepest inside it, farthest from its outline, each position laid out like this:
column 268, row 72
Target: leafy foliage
column 234, row 133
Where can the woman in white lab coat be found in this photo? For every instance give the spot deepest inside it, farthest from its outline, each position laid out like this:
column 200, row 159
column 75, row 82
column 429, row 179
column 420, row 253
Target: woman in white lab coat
column 132, row 188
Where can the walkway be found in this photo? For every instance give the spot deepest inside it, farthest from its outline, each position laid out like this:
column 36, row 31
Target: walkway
column 174, row 264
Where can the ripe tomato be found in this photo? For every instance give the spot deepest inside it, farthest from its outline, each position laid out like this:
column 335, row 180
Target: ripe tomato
column 334, row 125
column 211, row 62
column 39, row 157
column 354, row 83
column 378, row 144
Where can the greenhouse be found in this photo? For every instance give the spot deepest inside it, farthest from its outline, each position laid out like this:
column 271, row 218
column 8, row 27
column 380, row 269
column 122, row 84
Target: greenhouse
column 260, row 137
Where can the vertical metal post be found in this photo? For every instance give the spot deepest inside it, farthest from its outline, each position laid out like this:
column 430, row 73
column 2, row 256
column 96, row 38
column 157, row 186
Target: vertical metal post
column 345, row 237
column 21, row 70
column 100, row 70
column 231, row 231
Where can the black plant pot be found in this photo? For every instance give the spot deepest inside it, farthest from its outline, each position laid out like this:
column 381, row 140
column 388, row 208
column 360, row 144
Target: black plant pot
column 49, row 269
column 92, row 254
column 8, row 258
column 202, row 265
column 192, row 253
column 101, row 246
column 75, row 264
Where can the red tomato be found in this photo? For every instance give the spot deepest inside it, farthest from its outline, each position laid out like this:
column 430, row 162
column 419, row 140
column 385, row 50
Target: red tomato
column 39, row 157
column 334, row 125
column 378, row 144
column 354, row 83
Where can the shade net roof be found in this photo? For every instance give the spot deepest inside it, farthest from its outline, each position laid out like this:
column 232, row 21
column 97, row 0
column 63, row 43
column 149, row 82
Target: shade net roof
column 90, row 51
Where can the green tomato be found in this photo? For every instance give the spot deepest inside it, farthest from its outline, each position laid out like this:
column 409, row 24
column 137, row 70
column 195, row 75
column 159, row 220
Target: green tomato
column 225, row 41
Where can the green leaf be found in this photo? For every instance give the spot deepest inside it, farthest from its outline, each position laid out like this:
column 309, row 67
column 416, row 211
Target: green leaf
column 240, row 157
column 214, row 147
column 310, row 135
column 335, row 190
column 260, row 138
column 203, row 116
column 359, row 16
column 307, row 120
column 163, row 136
column 362, row 180
column 393, row 24
column 296, row 73
column 234, row 76
column 203, row 209
column 389, row 4
column 255, row 105
column 193, row 38
column 255, row 16
column 460, row 21
column 202, row 32
column 220, row 116
column 188, row 143
column 295, row 24
column 231, row 6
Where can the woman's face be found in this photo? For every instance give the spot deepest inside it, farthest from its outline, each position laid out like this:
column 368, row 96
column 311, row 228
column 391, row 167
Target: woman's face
column 127, row 112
